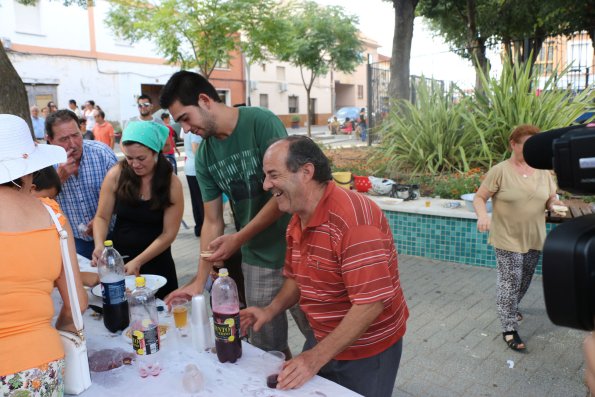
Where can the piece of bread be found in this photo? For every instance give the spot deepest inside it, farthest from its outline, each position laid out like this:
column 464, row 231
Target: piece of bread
column 560, row 209
column 206, row 254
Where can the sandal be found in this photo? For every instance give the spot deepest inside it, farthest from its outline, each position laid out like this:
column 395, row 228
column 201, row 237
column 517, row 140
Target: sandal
column 515, row 343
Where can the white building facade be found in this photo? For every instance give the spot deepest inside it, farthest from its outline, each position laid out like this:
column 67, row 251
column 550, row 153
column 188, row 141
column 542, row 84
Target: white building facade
column 64, row 53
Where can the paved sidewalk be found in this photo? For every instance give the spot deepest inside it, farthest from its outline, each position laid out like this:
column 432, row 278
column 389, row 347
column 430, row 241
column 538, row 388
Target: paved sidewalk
column 453, row 345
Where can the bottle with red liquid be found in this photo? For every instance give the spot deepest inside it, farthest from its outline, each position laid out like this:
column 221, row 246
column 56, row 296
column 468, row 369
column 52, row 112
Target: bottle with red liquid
column 226, row 316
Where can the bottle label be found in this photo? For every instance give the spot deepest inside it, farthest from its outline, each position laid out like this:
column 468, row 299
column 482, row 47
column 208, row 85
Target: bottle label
column 113, row 293
column 146, row 341
column 227, row 327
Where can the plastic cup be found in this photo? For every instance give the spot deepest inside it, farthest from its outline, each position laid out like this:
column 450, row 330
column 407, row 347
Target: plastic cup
column 273, row 361
column 428, row 203
column 179, row 308
column 193, row 380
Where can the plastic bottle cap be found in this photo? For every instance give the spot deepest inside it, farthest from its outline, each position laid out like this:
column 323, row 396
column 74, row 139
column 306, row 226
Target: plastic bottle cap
column 140, row 281
column 108, row 243
column 223, row 272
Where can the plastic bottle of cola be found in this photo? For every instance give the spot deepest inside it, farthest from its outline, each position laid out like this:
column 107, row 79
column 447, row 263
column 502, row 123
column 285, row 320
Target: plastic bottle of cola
column 226, row 316
column 113, row 288
column 144, row 329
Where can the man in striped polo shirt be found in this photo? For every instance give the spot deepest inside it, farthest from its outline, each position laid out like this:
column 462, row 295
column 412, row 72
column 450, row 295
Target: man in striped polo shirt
column 341, row 266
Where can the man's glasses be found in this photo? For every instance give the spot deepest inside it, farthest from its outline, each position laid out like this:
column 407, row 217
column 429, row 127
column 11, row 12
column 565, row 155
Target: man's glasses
column 146, row 105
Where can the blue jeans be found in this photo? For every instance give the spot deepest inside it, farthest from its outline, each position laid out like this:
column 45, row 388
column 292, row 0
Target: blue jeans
column 371, row 377
column 84, row 248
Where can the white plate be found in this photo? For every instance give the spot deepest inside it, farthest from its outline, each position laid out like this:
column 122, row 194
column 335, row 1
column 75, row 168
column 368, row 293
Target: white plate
column 153, row 281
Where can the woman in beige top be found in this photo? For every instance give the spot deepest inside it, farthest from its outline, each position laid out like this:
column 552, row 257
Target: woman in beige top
column 520, row 196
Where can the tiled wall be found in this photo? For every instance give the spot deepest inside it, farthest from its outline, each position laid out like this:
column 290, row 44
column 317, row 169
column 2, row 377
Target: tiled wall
column 443, row 238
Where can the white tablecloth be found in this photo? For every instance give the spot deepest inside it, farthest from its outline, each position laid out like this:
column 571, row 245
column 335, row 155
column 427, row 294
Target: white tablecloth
column 246, row 377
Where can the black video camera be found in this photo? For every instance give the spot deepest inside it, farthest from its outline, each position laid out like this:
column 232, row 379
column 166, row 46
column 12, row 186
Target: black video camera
column 569, row 249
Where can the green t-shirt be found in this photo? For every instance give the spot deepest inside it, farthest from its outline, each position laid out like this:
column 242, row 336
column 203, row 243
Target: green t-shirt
column 234, row 166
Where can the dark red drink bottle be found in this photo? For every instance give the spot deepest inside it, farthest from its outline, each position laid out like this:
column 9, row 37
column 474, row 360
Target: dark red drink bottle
column 226, row 316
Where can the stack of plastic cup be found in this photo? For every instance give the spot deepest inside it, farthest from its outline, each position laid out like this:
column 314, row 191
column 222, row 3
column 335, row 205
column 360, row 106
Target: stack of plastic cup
column 202, row 331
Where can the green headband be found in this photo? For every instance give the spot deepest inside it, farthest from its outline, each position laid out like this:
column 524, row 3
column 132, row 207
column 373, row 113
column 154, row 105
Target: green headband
column 148, row 133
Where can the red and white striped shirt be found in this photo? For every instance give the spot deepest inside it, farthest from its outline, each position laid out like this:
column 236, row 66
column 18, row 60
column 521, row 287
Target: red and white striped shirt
column 346, row 255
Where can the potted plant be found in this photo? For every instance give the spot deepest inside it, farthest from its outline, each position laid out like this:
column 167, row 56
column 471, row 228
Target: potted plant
column 295, row 121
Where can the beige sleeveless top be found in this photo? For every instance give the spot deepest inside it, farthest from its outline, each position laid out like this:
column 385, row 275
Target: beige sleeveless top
column 518, row 220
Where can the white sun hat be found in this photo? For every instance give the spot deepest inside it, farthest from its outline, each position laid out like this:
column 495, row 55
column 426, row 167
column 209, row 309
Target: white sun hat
column 19, row 155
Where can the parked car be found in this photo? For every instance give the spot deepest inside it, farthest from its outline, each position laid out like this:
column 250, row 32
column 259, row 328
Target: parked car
column 587, row 116
column 351, row 111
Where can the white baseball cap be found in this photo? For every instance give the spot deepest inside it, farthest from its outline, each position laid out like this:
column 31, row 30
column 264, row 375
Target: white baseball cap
column 19, row 154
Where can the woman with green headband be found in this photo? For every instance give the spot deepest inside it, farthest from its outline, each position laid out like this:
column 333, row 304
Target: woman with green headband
column 147, row 199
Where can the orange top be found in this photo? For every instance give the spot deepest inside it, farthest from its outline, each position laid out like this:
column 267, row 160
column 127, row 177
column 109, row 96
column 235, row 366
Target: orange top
column 30, row 262
column 104, row 133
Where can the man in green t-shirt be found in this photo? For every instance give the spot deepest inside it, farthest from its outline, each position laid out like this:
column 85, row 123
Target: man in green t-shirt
column 230, row 161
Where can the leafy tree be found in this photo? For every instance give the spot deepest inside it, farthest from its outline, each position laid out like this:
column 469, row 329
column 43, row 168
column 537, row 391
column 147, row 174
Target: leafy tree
column 401, row 53
column 320, row 38
column 520, row 25
column 201, row 34
column 575, row 16
column 468, row 25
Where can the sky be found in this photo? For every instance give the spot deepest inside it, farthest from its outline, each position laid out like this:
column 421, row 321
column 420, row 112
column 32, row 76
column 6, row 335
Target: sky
column 430, row 56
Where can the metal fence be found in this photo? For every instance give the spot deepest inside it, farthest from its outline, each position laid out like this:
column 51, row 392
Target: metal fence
column 378, row 97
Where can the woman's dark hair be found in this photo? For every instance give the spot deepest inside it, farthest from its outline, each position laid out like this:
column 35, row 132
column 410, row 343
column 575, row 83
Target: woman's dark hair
column 128, row 190
column 185, row 87
column 47, row 178
column 303, row 150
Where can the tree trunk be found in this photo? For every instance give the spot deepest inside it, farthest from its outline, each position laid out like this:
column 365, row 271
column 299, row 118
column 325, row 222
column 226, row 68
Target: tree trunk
column 481, row 62
column 399, row 87
column 535, row 46
column 308, row 87
column 476, row 46
column 13, row 95
column 308, row 110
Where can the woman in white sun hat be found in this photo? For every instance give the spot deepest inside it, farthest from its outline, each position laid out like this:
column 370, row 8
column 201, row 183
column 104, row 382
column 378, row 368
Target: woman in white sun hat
column 32, row 358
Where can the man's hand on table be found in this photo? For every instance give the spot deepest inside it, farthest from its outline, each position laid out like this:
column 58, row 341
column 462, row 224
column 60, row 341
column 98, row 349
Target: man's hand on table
column 299, row 370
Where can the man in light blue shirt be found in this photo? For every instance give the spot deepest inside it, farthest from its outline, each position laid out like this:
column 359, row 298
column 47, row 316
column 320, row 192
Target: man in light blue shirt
column 82, row 175
column 38, row 124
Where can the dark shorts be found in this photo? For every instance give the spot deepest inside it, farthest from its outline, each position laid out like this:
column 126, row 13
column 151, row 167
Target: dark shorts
column 371, row 377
